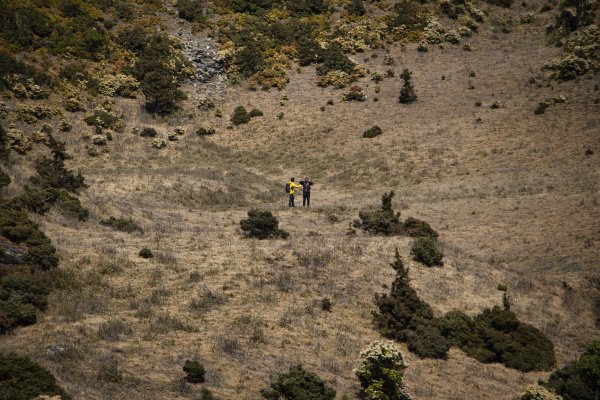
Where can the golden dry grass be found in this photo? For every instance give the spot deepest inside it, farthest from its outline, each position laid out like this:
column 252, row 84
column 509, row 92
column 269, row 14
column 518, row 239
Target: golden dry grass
column 514, row 198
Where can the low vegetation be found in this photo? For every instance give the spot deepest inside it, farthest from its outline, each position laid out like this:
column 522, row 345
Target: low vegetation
column 381, row 371
column 425, row 251
column 122, row 224
column 262, row 225
column 194, row 371
column 23, row 379
column 495, row 335
column 580, row 379
column 372, row 132
column 299, row 384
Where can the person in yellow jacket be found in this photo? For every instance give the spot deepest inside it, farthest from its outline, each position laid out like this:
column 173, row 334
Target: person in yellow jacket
column 292, row 186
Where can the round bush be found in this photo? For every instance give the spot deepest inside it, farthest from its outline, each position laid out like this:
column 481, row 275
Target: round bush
column 194, row 371
column 424, row 250
column 146, row 253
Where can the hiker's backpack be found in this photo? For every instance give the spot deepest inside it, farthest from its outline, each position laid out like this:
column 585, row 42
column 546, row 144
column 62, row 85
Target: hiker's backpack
column 287, row 188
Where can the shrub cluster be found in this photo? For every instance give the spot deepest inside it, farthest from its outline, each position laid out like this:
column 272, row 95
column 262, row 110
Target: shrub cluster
column 407, row 93
column 262, row 225
column 16, row 226
column 242, row 116
column 495, row 335
column 191, row 10
column 194, row 371
column 21, row 294
column 579, row 380
column 425, row 251
column 22, row 379
column 381, row 372
column 122, row 225
column 581, row 54
column 4, row 180
column 385, row 221
column 372, row 132
column 299, row 384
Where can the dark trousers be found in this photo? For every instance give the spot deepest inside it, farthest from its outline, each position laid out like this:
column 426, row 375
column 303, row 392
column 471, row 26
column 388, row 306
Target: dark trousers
column 306, row 199
column 291, row 202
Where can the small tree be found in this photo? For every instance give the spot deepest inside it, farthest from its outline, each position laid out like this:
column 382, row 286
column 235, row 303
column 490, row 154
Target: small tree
column 407, row 93
column 424, row 250
column 381, row 372
column 194, row 371
column 382, row 221
column 299, row 384
column 240, row 116
column 262, row 225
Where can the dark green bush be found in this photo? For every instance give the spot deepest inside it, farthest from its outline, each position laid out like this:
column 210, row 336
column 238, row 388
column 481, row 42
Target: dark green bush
column 52, row 173
column 382, row 221
column 240, row 116
column 427, row 342
column 459, row 329
column 14, row 313
column 191, row 10
column 508, row 341
column 16, row 226
column 37, row 201
column 299, row 384
column 501, row 3
column 159, row 79
column 4, row 180
column 194, row 371
column 409, row 14
column 407, row 93
column 148, row 132
column 122, row 224
column 102, row 119
column 70, row 206
column 326, row 304
column 333, row 59
column 27, row 288
column 356, row 7
column 418, row 228
column 255, row 112
column 146, row 253
column 4, row 147
column 262, row 225
column 401, row 311
column 425, row 251
column 372, row 132
column 579, row 380
column 22, row 379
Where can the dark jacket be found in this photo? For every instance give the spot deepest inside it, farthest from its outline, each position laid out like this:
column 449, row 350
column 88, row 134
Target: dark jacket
column 306, row 185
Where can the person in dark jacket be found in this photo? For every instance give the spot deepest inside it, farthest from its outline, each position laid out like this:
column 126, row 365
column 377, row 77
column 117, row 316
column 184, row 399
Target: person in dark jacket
column 306, row 185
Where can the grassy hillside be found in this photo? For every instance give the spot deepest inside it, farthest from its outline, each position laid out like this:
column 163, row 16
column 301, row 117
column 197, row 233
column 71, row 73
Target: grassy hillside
column 513, row 193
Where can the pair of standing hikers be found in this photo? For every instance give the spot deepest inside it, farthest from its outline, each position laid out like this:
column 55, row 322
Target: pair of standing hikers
column 305, row 184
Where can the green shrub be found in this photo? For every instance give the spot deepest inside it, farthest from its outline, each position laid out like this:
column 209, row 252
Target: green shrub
column 37, row 201
column 401, row 311
column 148, row 132
column 407, row 13
column 27, row 288
column 206, row 131
column 326, row 304
column 425, row 251
column 427, row 342
column 52, row 173
column 459, row 329
column 513, row 343
column 262, row 225
column 372, row 132
column 70, row 206
column 102, row 119
column 298, row 384
column 4, row 145
column 356, row 7
column 190, row 10
column 194, row 371
column 22, row 379
column 537, row 392
column 146, row 253
column 16, row 226
column 333, row 59
column 161, row 69
column 501, row 3
column 122, row 224
column 382, row 221
column 240, row 116
column 407, row 93
column 579, row 380
column 14, row 313
column 418, row 228
column 4, row 180
column 255, row 113
column 381, row 372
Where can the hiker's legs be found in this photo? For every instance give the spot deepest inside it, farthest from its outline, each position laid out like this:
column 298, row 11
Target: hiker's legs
column 306, row 199
column 291, row 201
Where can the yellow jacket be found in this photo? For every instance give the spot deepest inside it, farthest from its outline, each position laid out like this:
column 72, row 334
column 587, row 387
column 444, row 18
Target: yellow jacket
column 294, row 186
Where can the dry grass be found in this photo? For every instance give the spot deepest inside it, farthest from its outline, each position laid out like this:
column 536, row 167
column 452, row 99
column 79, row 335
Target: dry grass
column 514, row 199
